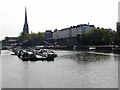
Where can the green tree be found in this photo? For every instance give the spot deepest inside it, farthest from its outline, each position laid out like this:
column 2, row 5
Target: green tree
column 31, row 39
column 36, row 38
column 32, row 36
column 40, row 35
column 95, row 37
column 84, row 38
column 23, row 37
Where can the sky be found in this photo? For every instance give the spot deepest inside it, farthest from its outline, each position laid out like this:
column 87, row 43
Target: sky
column 55, row 14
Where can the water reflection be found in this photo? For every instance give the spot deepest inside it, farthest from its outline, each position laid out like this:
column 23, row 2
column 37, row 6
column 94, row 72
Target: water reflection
column 84, row 57
column 33, row 61
column 25, row 74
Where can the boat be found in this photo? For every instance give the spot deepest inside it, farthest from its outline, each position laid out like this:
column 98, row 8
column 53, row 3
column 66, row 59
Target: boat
column 92, row 48
column 42, row 54
column 45, row 54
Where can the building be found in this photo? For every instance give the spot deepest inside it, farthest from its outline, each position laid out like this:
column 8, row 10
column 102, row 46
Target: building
column 26, row 27
column 119, row 11
column 72, row 31
column 118, row 26
column 8, row 41
column 11, row 39
column 118, row 23
column 0, row 46
column 48, row 35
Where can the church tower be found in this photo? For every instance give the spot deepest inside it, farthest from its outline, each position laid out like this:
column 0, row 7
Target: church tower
column 26, row 27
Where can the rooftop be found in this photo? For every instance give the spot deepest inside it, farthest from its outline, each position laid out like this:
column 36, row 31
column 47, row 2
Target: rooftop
column 80, row 25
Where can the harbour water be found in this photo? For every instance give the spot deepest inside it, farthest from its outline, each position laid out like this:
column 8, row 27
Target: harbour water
column 71, row 69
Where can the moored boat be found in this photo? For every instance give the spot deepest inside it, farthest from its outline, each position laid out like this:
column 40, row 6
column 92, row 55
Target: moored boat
column 42, row 54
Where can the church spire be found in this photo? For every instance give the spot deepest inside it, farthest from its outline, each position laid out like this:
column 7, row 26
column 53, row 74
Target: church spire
column 26, row 16
column 26, row 28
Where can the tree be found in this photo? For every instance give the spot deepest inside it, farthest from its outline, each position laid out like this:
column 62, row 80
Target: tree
column 36, row 38
column 23, row 37
column 32, row 36
column 95, row 37
column 84, row 38
column 40, row 35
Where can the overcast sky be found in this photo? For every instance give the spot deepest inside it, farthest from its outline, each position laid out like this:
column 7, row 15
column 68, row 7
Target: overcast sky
column 51, row 14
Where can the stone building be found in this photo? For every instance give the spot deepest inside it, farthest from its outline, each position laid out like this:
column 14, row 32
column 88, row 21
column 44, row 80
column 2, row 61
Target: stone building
column 48, row 35
column 118, row 26
column 72, row 31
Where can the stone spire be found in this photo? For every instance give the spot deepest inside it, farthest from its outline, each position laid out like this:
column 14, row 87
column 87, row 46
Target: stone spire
column 26, row 28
